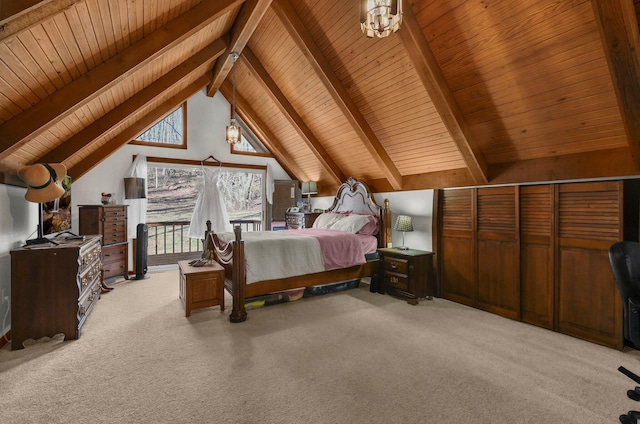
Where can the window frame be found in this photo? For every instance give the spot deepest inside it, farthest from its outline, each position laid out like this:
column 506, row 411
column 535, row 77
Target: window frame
column 167, row 162
column 167, row 145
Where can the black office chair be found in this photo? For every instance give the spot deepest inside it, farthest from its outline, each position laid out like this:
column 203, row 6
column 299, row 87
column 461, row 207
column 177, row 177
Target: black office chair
column 624, row 257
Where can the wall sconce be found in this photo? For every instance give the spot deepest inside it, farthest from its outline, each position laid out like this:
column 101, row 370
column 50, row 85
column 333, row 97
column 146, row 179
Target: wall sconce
column 404, row 224
column 380, row 17
column 134, row 188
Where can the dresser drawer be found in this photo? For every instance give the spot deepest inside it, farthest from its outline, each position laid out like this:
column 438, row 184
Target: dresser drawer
column 115, row 213
column 114, row 234
column 115, row 260
column 89, row 276
column 86, row 301
column 395, row 280
column 397, row 265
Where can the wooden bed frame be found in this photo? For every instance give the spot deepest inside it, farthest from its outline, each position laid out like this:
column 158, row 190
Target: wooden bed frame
column 352, row 196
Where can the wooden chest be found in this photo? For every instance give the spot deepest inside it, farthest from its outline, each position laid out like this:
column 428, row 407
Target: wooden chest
column 201, row 287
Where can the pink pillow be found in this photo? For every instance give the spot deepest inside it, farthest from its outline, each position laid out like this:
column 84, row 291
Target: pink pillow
column 371, row 227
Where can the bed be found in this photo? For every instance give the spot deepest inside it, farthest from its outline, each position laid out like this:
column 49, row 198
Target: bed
column 239, row 256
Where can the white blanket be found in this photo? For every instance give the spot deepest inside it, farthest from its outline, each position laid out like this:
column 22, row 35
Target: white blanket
column 269, row 255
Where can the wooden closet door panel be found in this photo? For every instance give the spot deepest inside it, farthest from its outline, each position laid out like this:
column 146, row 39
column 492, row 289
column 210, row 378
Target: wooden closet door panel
column 457, row 248
column 497, row 278
column 457, row 270
column 588, row 307
column 498, row 287
column 589, row 221
column 536, row 255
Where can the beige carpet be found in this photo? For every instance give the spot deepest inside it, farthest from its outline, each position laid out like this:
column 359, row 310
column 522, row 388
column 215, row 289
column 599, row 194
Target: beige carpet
column 350, row 357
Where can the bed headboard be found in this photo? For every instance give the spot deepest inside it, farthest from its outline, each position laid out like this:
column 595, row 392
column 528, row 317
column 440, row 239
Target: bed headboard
column 354, row 196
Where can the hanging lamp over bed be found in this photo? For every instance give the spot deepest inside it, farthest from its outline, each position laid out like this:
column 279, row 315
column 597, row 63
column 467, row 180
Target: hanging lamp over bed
column 234, row 133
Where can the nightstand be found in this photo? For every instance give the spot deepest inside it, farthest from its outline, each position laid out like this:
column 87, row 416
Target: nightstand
column 299, row 220
column 407, row 274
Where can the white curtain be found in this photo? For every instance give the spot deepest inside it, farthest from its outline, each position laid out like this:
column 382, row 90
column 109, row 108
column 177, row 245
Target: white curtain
column 209, row 207
column 270, row 185
column 137, row 207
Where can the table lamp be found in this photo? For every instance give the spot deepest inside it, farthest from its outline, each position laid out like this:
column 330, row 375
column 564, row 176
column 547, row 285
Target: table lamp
column 404, row 224
column 309, row 188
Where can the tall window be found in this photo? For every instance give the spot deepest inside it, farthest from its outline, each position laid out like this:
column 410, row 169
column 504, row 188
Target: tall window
column 172, row 193
column 170, row 131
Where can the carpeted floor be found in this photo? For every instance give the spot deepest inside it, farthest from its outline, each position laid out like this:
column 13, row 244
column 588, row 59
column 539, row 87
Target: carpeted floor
column 350, row 357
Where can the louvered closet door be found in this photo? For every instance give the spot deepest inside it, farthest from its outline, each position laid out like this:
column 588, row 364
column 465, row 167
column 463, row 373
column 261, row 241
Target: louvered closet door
column 589, row 221
column 536, row 255
column 457, row 261
column 498, row 280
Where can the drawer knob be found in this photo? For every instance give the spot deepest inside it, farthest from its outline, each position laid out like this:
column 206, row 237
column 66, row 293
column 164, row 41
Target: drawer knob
column 394, row 265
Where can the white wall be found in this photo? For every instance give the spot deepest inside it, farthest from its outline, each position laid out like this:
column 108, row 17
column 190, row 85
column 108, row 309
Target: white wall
column 418, row 204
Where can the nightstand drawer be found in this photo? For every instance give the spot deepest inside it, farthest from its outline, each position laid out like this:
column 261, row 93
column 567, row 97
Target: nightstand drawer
column 395, row 280
column 396, row 264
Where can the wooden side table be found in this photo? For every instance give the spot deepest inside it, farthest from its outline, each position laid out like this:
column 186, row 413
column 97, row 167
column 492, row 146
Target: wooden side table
column 407, row 274
column 201, row 287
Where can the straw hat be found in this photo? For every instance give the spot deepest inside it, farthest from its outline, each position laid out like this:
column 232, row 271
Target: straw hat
column 44, row 181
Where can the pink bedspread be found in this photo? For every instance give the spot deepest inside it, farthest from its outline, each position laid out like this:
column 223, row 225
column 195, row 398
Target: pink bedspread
column 339, row 249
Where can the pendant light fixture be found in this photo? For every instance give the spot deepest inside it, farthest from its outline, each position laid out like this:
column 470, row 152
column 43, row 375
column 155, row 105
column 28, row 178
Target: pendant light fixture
column 380, row 17
column 233, row 129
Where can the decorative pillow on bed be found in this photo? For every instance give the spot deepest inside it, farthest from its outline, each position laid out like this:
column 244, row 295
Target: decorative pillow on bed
column 371, row 227
column 350, row 223
column 324, row 220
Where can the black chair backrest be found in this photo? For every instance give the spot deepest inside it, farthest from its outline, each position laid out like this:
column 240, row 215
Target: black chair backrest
column 624, row 257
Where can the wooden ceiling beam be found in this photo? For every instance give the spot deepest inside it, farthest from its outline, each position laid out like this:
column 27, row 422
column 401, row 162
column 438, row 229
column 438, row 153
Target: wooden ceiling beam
column 271, row 88
column 618, row 26
column 434, row 82
column 132, row 105
column 261, row 130
column 334, row 86
column 41, row 116
column 608, row 163
column 18, row 16
column 141, row 125
column 246, row 23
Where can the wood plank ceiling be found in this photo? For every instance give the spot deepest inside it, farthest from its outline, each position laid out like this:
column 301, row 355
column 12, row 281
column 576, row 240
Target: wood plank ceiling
column 468, row 92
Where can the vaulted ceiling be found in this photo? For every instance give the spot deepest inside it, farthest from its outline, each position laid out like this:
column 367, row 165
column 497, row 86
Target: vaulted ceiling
column 468, row 92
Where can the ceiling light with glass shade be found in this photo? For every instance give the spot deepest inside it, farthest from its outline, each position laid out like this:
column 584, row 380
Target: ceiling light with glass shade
column 234, row 133
column 380, row 17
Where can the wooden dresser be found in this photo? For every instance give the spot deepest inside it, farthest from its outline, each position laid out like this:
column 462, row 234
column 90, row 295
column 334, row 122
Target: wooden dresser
column 407, row 273
column 54, row 288
column 299, row 220
column 110, row 222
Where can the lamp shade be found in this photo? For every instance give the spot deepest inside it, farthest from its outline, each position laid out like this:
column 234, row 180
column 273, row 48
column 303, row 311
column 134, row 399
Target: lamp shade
column 403, row 223
column 309, row 187
column 134, row 188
